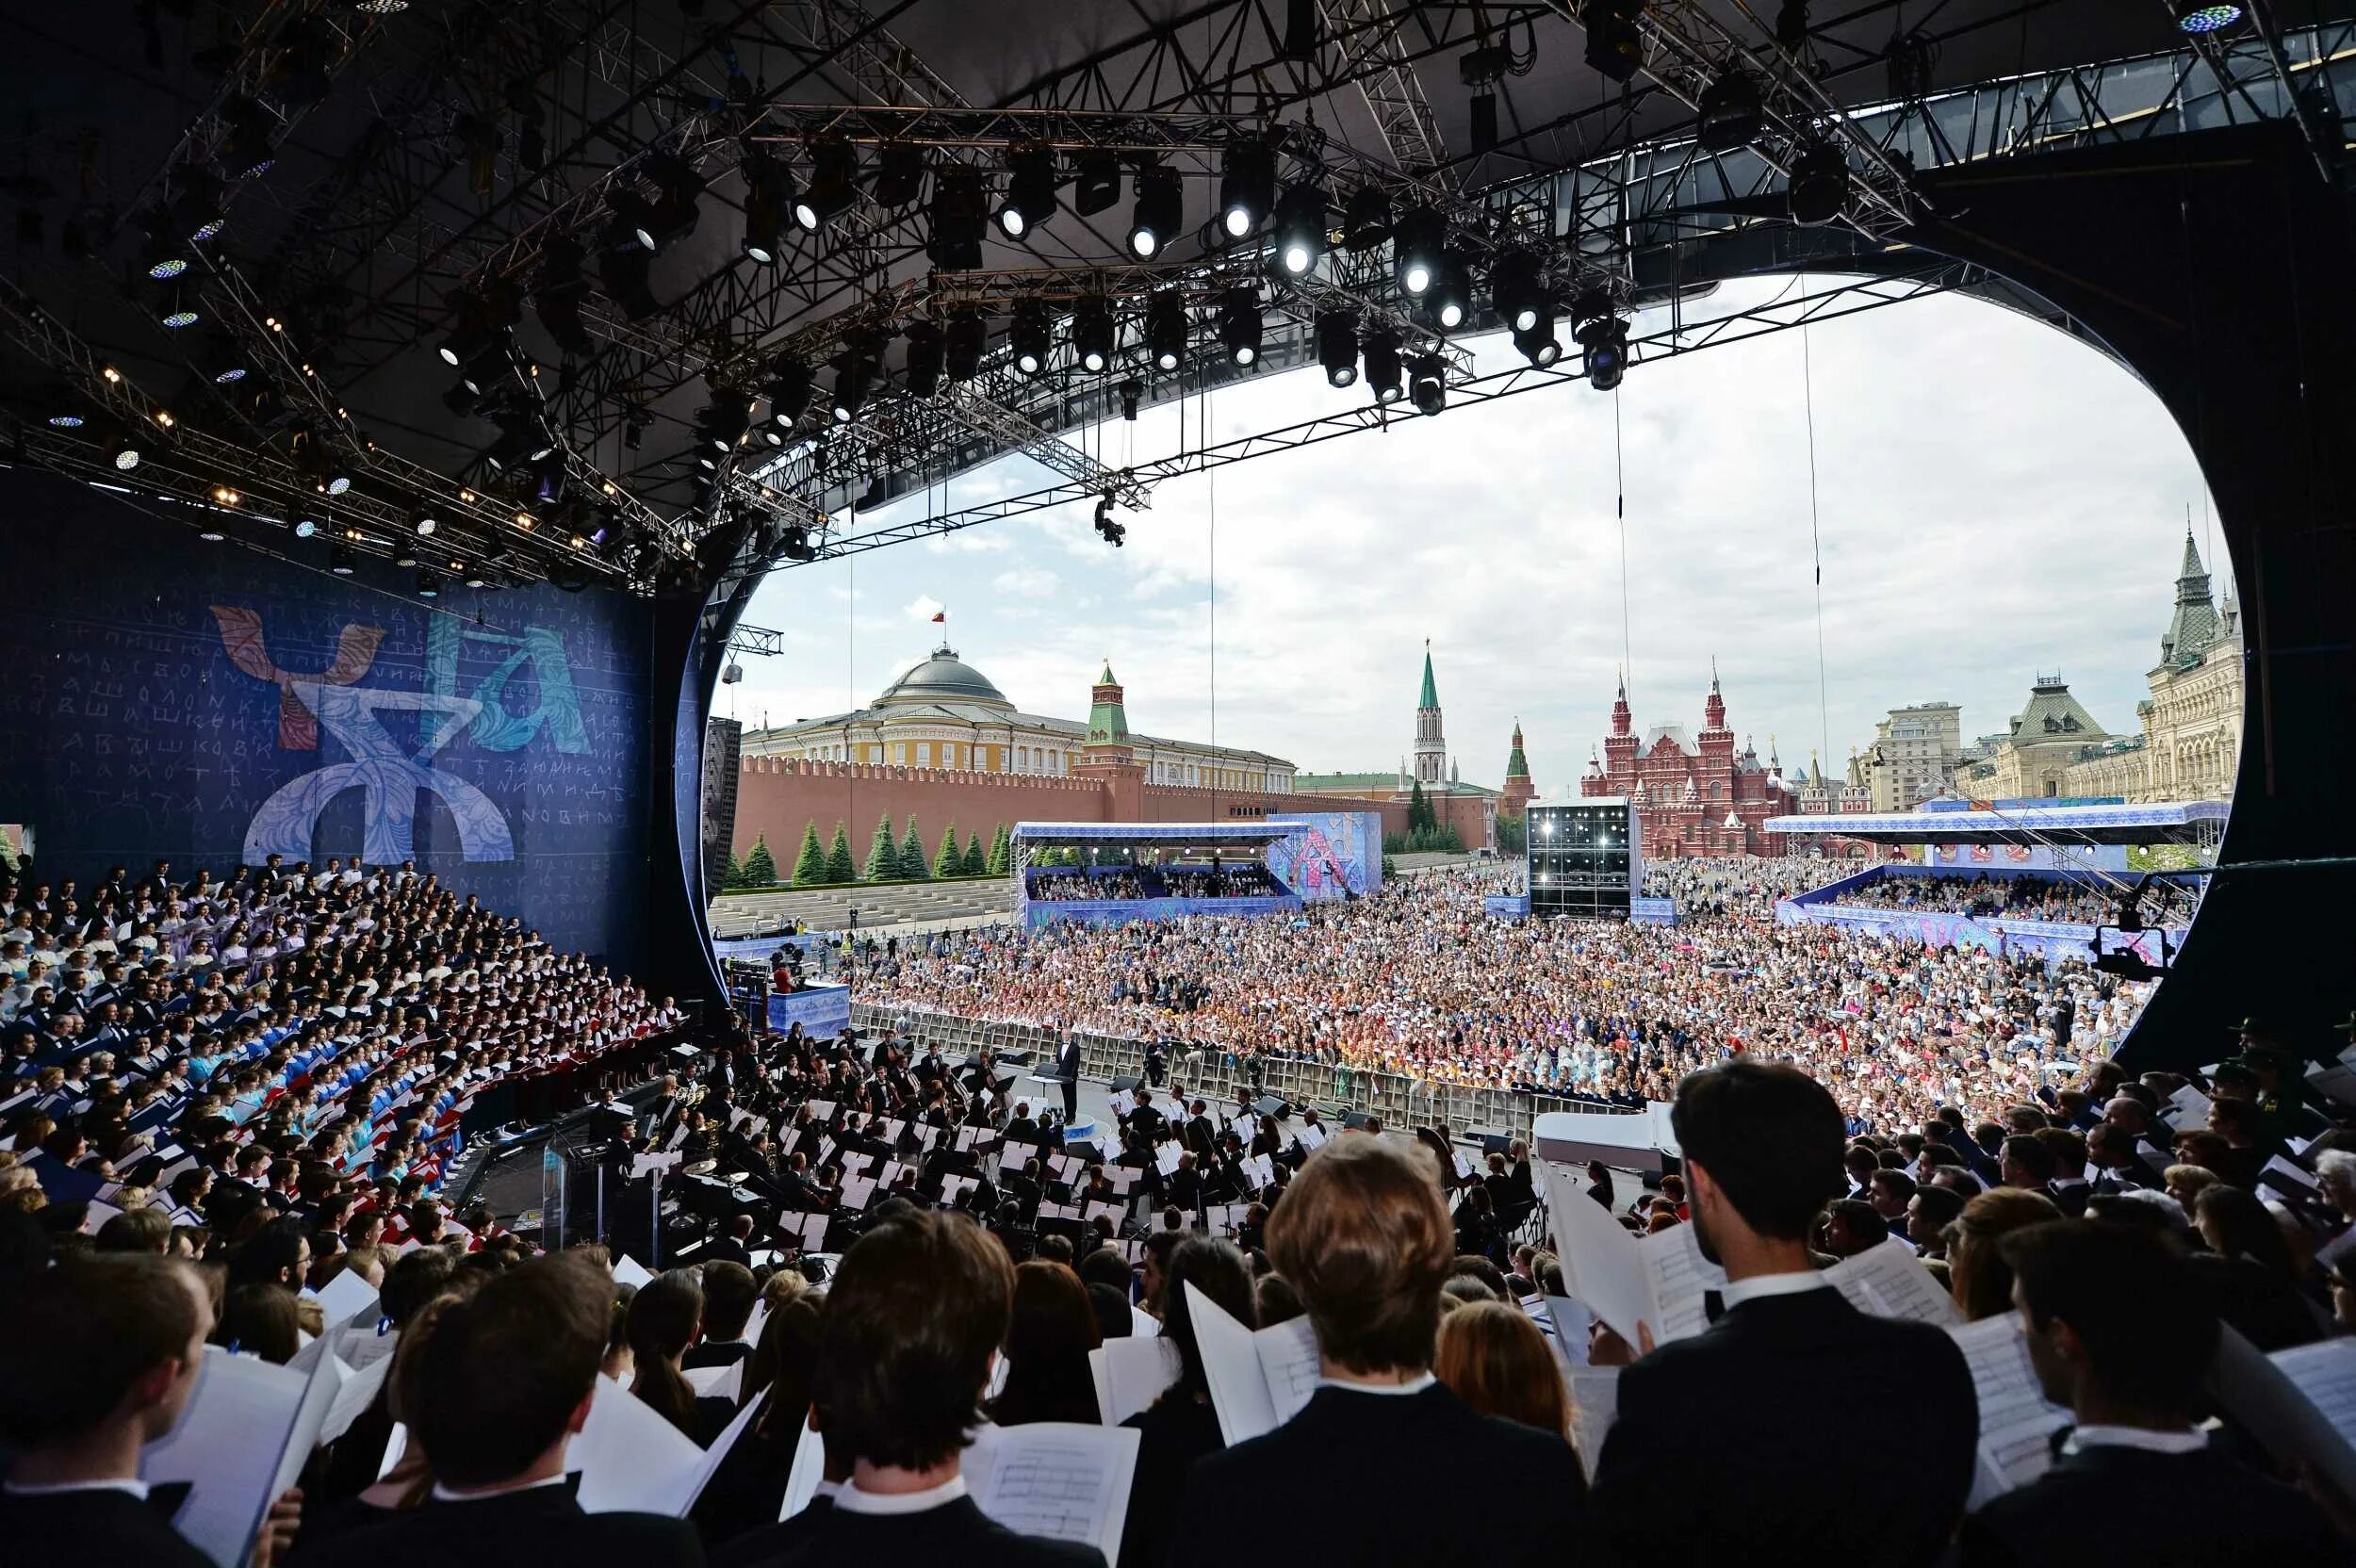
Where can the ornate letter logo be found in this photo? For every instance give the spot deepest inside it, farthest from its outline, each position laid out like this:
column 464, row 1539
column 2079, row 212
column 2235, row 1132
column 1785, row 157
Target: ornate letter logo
column 298, row 729
column 390, row 778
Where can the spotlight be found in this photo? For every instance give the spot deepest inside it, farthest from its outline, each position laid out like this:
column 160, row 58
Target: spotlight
column 1449, row 297
column 1538, row 343
column 121, row 446
column 1092, row 334
column 833, row 184
column 175, row 311
column 1165, row 329
column 1417, row 254
column 1366, row 219
column 1427, row 384
column 428, row 586
column 198, row 212
column 1514, row 291
column 1240, row 325
column 1604, row 337
column 224, row 495
column 305, row 527
column 340, row 560
column 959, row 214
column 223, row 362
column 768, row 206
column 1301, row 228
column 1098, row 182
column 899, row 175
column 1338, row 347
column 210, row 535
column 422, row 522
column 1819, row 185
column 788, row 386
column 247, row 149
column 1158, row 214
column 518, row 442
column 1030, row 199
column 163, row 259
column 926, row 355
column 1382, row 366
column 725, row 420
column 674, row 215
column 1615, row 47
column 1731, row 114
column 557, row 292
column 634, row 220
column 962, row 344
column 850, row 386
column 1246, row 186
column 1131, row 393
column 1029, row 336
column 2193, row 17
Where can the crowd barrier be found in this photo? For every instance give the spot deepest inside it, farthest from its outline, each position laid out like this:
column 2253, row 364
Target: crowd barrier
column 1400, row 1101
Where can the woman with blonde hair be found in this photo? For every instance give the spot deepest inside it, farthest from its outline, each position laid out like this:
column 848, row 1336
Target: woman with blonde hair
column 1977, row 1275
column 1494, row 1359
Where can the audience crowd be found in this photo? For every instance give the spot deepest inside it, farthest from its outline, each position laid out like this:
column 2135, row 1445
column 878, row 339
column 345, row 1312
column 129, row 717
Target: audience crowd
column 2066, row 901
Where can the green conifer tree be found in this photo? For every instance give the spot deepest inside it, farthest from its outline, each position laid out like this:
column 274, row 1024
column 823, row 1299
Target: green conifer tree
column 840, row 866
column 1001, row 852
column 974, row 865
column 912, row 863
column 946, row 860
column 883, row 856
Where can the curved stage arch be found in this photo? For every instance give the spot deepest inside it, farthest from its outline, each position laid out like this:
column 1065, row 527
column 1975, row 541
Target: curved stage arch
column 2213, row 265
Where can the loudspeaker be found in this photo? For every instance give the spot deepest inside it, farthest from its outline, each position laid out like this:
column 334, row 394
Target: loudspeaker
column 1269, row 1105
column 1128, row 1081
column 1355, row 1121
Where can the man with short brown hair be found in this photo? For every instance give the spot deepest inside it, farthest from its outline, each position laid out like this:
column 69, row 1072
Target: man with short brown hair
column 916, row 1311
column 1364, row 1236
column 96, row 1358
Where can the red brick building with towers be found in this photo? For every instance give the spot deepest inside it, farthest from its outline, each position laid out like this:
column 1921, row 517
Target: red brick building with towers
column 1697, row 797
column 1513, row 800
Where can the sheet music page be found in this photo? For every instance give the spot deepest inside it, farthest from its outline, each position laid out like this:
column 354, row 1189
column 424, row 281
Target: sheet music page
column 1131, row 1374
column 318, row 1396
column 1231, row 1364
column 709, row 1465
column 1312, row 1137
column 1602, row 1265
column 2017, row 1422
column 1679, row 1277
column 629, row 1272
column 227, row 1447
column 807, row 1469
column 2301, row 1402
column 1571, row 1320
column 707, row 1380
column 345, row 1296
column 630, row 1460
column 1594, row 1405
column 1288, row 1357
column 1889, row 1282
column 357, row 1393
column 1056, row 1478
column 1166, row 1158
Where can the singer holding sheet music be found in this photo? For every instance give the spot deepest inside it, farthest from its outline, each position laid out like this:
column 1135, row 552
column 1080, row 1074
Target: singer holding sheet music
column 1755, row 1417
column 1383, row 1465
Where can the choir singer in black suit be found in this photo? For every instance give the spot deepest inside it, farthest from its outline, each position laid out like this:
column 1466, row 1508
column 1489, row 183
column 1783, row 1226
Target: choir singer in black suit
column 915, row 1311
column 1383, row 1465
column 2120, row 1331
column 504, row 1381
column 1734, row 1442
column 96, row 1358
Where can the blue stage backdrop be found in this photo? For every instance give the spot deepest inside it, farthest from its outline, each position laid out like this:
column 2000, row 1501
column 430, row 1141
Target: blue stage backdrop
column 167, row 698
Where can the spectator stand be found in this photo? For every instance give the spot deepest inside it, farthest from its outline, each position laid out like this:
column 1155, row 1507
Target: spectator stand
column 1147, row 871
column 1945, row 906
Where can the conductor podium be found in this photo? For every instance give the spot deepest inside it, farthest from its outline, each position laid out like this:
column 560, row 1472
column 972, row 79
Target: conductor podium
column 1584, row 859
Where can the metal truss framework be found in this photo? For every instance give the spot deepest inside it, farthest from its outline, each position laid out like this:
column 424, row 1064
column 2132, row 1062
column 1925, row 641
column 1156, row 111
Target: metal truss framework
column 1849, row 298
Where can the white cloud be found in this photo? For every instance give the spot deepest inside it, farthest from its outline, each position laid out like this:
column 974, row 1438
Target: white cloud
column 1027, row 582
column 1991, row 499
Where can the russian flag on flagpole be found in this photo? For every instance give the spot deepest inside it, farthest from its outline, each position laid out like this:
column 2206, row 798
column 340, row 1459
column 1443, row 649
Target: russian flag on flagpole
column 940, row 617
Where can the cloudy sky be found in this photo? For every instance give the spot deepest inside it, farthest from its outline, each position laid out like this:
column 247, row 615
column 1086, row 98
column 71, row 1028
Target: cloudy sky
column 1993, row 500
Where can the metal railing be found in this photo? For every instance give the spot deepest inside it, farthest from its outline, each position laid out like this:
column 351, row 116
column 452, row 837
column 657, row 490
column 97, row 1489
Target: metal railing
column 1399, row 1099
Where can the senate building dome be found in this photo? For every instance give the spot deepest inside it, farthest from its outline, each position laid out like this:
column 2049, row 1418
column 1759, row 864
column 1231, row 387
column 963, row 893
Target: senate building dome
column 942, row 677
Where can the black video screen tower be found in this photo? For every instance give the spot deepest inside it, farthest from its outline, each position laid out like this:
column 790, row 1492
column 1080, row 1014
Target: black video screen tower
column 1584, row 859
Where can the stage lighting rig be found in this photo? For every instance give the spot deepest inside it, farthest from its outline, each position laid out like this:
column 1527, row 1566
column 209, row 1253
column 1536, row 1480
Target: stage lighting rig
column 163, row 258
column 1096, row 184
column 1427, row 384
column 1515, row 289
column 1538, row 343
column 677, row 211
column 1131, row 393
column 315, row 458
column 1240, row 325
column 851, row 375
column 963, row 344
column 558, row 291
column 1603, row 336
column 199, row 212
column 1614, row 46
column 1158, row 214
column 833, row 184
column 1450, row 297
column 959, row 214
column 899, row 175
column 1791, row 26
column 2207, row 20
column 1301, row 227
column 1366, row 219
column 1092, row 334
column 1383, row 376
column 795, row 545
column 624, row 270
column 1338, row 347
column 249, row 149
column 342, row 561
column 1731, row 113
column 1107, row 530
column 1165, row 329
column 223, row 363
column 1819, row 185
column 1246, row 186
column 1028, row 337
column 1030, row 199
column 1418, row 250
column 725, row 420
column 768, row 206
column 925, row 356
